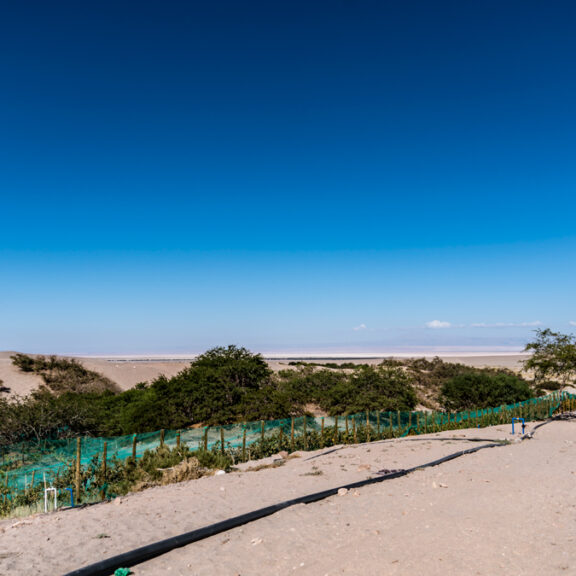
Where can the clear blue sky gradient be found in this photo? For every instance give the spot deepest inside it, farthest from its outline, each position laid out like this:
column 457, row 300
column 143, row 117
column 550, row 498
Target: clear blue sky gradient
column 288, row 176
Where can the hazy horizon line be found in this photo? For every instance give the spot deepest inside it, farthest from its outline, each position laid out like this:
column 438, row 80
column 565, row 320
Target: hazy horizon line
column 310, row 353
column 461, row 351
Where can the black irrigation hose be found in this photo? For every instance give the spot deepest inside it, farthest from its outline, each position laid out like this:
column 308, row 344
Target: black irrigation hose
column 408, row 439
column 139, row 555
column 566, row 417
column 442, row 439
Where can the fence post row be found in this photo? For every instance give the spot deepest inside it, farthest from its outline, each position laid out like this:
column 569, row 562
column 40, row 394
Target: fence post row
column 412, row 423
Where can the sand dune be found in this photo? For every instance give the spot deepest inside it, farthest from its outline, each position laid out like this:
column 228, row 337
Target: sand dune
column 129, row 371
column 125, row 373
column 504, row 510
column 17, row 382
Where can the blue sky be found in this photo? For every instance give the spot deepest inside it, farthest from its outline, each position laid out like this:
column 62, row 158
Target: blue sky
column 288, row 176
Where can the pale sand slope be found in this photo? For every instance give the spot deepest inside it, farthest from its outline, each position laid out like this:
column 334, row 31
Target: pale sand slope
column 505, row 510
column 127, row 373
column 20, row 383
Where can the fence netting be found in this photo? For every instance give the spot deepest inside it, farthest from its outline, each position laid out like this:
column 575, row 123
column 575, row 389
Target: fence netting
column 34, row 462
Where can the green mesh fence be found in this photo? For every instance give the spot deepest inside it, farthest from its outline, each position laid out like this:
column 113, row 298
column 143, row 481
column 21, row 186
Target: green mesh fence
column 39, row 462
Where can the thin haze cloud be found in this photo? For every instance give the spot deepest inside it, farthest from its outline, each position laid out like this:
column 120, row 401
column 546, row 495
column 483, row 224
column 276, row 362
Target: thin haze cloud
column 360, row 327
column 506, row 324
column 438, row 324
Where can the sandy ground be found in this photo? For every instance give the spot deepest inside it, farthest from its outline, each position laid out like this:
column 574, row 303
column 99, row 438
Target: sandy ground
column 125, row 373
column 129, row 372
column 15, row 381
column 504, row 510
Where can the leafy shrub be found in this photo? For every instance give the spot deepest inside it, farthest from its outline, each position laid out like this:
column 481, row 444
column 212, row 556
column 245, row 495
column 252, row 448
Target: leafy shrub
column 429, row 376
column 333, row 365
column 471, row 390
column 550, row 386
column 215, row 459
column 24, row 362
column 338, row 392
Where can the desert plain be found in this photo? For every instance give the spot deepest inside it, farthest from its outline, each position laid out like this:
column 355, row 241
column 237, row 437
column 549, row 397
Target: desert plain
column 509, row 509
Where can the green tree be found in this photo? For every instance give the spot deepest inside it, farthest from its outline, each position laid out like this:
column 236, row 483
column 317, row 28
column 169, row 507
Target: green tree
column 553, row 357
column 220, row 386
column 236, row 366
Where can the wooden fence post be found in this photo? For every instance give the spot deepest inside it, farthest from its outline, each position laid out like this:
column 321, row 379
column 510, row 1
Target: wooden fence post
column 104, row 468
column 104, row 459
column 336, row 435
column 78, row 467
column 367, row 426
